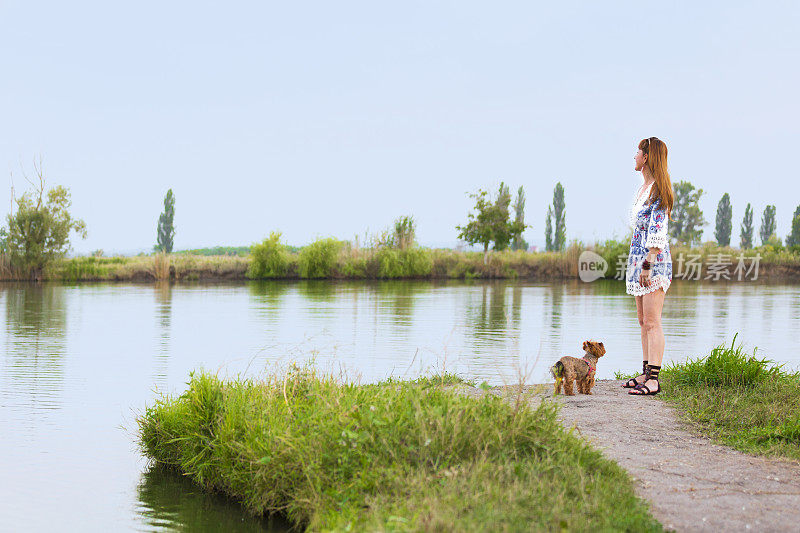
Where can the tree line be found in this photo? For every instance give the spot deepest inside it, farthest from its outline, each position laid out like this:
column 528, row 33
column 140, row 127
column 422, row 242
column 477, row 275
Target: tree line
column 686, row 225
column 38, row 231
column 491, row 223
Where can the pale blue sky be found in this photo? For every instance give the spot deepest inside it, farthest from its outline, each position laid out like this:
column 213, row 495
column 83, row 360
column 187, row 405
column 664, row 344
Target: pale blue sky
column 328, row 118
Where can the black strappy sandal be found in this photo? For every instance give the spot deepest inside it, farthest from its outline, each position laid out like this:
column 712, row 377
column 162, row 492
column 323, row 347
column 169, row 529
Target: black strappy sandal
column 632, row 383
column 644, row 390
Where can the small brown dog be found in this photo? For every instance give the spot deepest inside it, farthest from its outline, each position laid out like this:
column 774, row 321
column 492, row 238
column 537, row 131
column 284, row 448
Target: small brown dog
column 569, row 369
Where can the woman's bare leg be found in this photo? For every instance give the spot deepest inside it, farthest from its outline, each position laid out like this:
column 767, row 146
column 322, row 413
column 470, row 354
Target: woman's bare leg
column 639, row 379
column 652, row 304
column 640, row 315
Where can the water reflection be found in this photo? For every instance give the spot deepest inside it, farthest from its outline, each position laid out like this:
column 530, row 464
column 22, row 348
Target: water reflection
column 491, row 314
column 320, row 291
column 269, row 293
column 399, row 295
column 169, row 501
column 554, row 301
column 36, row 317
column 162, row 292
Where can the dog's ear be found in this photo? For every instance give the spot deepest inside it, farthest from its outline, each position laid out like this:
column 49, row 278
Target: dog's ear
column 584, row 344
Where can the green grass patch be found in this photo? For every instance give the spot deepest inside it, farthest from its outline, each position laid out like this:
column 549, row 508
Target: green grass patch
column 394, row 456
column 741, row 400
column 618, row 374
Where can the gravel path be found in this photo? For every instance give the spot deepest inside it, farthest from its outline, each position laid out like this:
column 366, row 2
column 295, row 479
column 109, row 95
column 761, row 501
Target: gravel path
column 691, row 483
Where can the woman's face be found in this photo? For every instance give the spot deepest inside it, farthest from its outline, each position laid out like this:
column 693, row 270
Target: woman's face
column 639, row 158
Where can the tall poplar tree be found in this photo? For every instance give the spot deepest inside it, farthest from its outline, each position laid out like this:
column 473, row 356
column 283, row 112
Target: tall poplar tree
column 724, row 221
column 793, row 239
column 166, row 226
column 519, row 218
column 746, row 231
column 559, row 214
column 767, row 224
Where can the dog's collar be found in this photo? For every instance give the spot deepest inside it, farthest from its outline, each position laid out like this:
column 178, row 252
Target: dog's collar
column 591, row 368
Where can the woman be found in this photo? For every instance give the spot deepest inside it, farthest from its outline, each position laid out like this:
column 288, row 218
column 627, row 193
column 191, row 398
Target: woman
column 649, row 270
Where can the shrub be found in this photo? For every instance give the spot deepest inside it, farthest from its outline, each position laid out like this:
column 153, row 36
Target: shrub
column 390, row 265
column 318, row 259
column 611, row 250
column 269, row 259
column 353, row 265
column 417, row 263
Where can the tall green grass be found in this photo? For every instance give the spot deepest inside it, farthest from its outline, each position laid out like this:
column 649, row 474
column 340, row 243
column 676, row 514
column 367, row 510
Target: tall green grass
column 747, row 402
column 396, row 456
column 725, row 366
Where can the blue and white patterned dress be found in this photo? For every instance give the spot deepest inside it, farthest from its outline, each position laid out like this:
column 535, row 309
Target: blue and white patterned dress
column 649, row 230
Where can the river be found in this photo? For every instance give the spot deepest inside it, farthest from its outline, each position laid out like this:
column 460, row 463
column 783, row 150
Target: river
column 79, row 362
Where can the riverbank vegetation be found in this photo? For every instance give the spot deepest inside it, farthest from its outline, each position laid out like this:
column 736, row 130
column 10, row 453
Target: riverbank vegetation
column 334, row 259
column 739, row 399
column 35, row 242
column 394, row 456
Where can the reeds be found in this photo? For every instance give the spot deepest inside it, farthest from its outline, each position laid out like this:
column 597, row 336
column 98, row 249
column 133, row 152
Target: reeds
column 161, row 266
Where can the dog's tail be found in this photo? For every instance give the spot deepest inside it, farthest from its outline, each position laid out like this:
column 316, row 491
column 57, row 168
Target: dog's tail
column 557, row 370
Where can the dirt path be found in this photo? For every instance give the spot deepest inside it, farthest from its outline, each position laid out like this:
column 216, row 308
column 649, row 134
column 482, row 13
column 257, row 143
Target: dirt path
column 691, row 483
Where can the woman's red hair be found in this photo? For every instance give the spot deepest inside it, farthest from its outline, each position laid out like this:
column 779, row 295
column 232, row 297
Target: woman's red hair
column 656, row 152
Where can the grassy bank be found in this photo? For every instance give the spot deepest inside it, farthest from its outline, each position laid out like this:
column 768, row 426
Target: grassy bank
column 333, row 259
column 395, row 456
column 148, row 268
column 739, row 400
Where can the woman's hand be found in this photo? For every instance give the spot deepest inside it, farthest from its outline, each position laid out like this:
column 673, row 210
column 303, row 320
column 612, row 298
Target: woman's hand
column 644, row 278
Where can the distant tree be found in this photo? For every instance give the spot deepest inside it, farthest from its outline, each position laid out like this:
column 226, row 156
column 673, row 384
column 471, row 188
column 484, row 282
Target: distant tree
column 548, row 229
column 767, row 224
column 724, row 221
column 686, row 220
column 38, row 232
column 503, row 230
column 166, row 226
column 746, row 231
column 490, row 223
column 519, row 218
column 559, row 213
column 793, row 239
